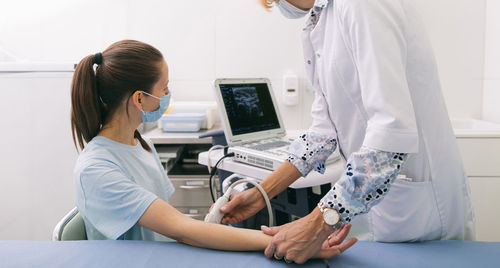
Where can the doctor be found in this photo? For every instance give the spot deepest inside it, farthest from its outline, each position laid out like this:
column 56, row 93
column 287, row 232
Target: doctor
column 378, row 98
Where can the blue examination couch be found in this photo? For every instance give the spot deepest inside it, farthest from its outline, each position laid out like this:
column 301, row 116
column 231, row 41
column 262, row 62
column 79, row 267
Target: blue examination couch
column 162, row 254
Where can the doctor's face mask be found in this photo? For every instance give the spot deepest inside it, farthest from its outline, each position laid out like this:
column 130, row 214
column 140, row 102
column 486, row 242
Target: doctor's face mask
column 290, row 11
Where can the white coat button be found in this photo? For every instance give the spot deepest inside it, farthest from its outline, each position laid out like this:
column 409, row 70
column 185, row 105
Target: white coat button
column 318, row 55
column 308, row 61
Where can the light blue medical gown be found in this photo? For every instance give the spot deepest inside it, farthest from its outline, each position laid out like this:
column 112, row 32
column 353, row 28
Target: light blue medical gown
column 115, row 183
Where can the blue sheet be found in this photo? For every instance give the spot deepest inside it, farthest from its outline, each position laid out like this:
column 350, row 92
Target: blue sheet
column 162, row 254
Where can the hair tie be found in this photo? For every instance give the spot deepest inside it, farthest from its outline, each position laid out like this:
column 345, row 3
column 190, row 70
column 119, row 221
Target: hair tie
column 98, row 58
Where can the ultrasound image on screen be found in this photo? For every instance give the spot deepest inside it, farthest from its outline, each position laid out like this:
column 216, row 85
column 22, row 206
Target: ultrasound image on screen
column 247, row 102
column 249, row 108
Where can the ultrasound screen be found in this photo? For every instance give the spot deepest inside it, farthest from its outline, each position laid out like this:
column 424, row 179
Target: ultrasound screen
column 249, row 107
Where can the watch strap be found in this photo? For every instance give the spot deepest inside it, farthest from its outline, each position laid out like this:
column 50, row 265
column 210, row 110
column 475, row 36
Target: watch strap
column 321, row 207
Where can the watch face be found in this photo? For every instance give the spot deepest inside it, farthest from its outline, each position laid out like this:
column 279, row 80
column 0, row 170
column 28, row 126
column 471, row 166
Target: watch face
column 331, row 217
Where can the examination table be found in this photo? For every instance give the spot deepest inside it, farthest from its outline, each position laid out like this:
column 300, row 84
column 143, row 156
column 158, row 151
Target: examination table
column 164, row 254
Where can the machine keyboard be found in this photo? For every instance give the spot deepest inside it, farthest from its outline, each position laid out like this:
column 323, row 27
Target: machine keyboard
column 269, row 145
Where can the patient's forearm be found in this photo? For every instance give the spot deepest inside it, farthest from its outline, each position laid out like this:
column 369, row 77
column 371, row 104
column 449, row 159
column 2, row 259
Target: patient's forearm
column 217, row 236
column 166, row 220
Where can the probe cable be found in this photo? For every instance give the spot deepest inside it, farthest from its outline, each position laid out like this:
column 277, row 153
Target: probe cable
column 214, row 170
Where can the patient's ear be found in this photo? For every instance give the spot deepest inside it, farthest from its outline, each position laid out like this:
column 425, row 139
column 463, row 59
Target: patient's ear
column 136, row 99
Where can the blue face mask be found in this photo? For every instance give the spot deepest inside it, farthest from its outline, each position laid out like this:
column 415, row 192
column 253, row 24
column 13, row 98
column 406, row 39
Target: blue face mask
column 153, row 116
column 289, row 11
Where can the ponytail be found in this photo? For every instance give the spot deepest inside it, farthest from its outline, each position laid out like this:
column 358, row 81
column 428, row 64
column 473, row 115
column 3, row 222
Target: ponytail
column 86, row 106
column 144, row 144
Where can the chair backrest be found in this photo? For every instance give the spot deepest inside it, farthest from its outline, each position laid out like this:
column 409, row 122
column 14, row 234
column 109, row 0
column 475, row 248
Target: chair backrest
column 70, row 227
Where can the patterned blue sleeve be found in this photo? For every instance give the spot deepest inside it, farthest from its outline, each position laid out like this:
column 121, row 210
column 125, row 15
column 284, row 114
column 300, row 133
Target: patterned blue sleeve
column 310, row 151
column 367, row 178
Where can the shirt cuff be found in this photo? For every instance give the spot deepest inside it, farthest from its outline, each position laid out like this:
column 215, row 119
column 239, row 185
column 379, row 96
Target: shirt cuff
column 310, row 151
column 300, row 164
column 368, row 177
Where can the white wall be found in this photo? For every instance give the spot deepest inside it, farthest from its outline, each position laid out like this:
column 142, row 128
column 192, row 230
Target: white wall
column 203, row 40
column 456, row 28
column 37, row 155
column 491, row 108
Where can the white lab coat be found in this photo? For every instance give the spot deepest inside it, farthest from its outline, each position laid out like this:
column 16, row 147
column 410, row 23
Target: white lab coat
column 373, row 70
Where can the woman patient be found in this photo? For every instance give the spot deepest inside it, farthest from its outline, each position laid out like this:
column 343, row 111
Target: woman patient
column 121, row 187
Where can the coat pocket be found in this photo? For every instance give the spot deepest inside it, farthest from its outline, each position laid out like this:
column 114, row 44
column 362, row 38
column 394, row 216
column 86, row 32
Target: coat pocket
column 407, row 213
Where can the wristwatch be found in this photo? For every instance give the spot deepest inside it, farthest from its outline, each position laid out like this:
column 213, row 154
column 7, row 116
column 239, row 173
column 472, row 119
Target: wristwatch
column 330, row 216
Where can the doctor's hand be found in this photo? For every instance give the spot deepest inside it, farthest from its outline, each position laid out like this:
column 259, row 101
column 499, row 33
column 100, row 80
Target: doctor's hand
column 302, row 239
column 333, row 245
column 242, row 205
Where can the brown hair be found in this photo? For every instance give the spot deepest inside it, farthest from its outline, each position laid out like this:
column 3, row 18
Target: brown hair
column 125, row 66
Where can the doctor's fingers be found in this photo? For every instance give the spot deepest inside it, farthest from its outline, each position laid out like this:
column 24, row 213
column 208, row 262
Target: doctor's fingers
column 233, row 217
column 300, row 256
column 229, row 219
column 234, row 201
column 270, row 249
column 270, row 230
column 329, row 252
column 338, row 236
column 230, row 213
column 276, row 242
column 289, row 254
column 244, row 201
column 347, row 244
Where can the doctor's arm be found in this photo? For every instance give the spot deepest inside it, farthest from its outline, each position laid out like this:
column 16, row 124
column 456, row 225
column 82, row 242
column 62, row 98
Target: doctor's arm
column 367, row 178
